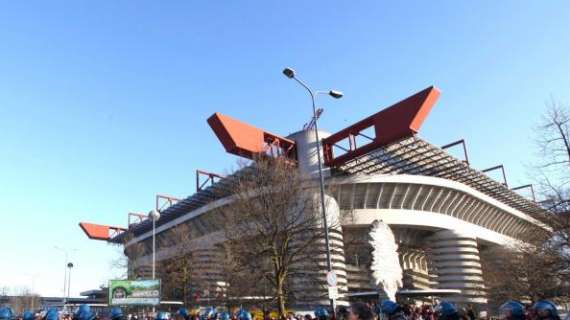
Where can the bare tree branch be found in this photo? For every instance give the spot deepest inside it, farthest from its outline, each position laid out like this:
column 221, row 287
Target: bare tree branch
column 272, row 226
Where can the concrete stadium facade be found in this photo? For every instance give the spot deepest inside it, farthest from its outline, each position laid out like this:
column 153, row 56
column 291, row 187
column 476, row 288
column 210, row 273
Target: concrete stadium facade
column 440, row 226
column 442, row 212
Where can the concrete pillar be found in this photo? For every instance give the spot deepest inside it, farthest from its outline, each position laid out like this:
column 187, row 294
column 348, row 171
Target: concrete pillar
column 456, row 259
column 207, row 272
column 309, row 284
column 306, row 143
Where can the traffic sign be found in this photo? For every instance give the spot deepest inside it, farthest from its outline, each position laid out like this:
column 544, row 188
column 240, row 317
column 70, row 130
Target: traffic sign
column 333, row 293
column 331, row 279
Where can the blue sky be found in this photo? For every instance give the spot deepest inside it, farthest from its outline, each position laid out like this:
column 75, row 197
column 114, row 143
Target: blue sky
column 103, row 104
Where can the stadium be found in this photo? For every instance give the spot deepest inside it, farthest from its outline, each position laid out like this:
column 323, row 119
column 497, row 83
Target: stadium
column 410, row 212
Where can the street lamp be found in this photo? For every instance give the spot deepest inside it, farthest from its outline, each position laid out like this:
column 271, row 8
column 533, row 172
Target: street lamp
column 154, row 215
column 69, row 266
column 65, row 281
column 291, row 74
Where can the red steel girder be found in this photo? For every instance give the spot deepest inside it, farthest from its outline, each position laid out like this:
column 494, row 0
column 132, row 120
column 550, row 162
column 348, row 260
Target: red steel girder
column 99, row 231
column 245, row 140
column 210, row 178
column 164, row 201
column 394, row 123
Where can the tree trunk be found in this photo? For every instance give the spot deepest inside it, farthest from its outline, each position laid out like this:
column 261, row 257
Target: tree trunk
column 281, row 300
column 185, row 283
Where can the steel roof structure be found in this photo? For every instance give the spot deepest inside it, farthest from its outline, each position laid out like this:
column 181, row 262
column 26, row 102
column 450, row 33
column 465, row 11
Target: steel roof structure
column 200, row 198
column 416, row 156
column 413, row 156
column 383, row 143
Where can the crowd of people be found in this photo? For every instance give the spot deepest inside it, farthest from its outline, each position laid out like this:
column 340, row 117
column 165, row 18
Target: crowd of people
column 387, row 310
column 510, row 310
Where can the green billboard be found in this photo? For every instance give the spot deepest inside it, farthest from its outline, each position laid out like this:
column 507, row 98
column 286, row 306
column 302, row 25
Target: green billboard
column 134, row 292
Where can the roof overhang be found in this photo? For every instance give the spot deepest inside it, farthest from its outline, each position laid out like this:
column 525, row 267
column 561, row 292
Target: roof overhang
column 428, row 293
column 99, row 231
column 401, row 120
column 411, row 293
column 415, row 156
column 247, row 141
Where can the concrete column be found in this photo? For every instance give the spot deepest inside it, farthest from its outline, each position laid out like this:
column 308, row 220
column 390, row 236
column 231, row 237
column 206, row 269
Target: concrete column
column 207, row 271
column 306, row 143
column 456, row 260
column 309, row 284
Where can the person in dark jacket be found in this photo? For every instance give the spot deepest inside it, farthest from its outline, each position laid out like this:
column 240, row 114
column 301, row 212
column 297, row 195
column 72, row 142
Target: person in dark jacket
column 360, row 311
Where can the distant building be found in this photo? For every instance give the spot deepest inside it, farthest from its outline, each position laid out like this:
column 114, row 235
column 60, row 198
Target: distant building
column 42, row 302
column 100, row 295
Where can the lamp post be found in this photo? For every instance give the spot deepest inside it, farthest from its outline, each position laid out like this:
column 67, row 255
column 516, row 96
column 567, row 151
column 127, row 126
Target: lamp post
column 69, row 267
column 154, row 215
column 65, row 275
column 290, row 73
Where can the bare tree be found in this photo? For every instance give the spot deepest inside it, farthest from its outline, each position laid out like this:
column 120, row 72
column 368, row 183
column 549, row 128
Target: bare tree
column 23, row 299
column 554, row 184
column 539, row 267
column 184, row 279
column 554, row 138
column 271, row 226
column 176, row 271
column 180, row 279
column 520, row 273
column 239, row 282
column 127, row 261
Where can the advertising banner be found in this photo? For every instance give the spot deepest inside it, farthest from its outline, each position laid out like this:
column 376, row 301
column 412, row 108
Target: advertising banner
column 134, row 292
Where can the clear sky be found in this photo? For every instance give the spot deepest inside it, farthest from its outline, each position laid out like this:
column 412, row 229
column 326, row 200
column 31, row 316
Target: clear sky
column 103, row 104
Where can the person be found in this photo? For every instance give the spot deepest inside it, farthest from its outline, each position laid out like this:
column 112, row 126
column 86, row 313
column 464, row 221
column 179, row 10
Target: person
column 6, row 313
column 84, row 313
column 446, row 311
column 28, row 315
column 406, row 308
column 342, row 313
column 117, row 313
column 244, row 315
column 161, row 315
column 52, row 314
column 512, row 310
column 391, row 310
column 224, row 316
column 546, row 310
column 471, row 312
column 183, row 312
column 360, row 311
column 321, row 313
column 209, row 313
column 416, row 314
column 427, row 312
column 462, row 313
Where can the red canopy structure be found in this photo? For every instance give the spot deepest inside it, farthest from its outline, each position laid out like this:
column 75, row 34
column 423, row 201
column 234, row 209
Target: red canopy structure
column 99, row 231
column 394, row 123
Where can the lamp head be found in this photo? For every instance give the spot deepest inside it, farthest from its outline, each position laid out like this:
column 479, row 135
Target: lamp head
column 154, row 215
column 289, row 73
column 336, row 94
